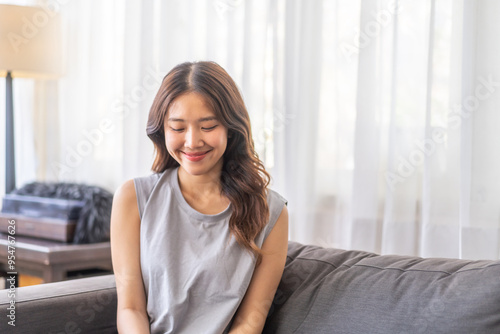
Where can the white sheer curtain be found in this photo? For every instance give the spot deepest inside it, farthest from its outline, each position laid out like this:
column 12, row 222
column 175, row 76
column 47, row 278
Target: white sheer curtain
column 377, row 119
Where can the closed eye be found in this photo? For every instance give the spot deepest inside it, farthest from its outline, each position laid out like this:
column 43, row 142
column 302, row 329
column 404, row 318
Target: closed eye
column 205, row 129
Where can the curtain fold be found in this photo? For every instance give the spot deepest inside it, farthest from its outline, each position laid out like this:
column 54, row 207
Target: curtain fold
column 302, row 71
column 377, row 119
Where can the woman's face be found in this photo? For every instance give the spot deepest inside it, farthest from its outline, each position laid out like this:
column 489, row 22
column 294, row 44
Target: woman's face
column 194, row 137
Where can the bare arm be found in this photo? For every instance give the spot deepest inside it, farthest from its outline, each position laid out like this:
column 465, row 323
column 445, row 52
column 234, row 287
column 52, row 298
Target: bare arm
column 252, row 313
column 125, row 229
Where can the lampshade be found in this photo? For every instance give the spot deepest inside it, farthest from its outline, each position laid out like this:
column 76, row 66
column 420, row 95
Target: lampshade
column 30, row 42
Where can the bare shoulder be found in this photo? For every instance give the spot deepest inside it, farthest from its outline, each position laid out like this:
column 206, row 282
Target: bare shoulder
column 125, row 200
column 277, row 241
column 283, row 217
column 126, row 192
column 125, row 220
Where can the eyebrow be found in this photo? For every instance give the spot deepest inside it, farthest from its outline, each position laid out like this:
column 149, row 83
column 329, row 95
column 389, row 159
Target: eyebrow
column 204, row 119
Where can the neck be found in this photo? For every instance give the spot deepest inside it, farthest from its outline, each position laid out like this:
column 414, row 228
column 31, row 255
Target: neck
column 199, row 185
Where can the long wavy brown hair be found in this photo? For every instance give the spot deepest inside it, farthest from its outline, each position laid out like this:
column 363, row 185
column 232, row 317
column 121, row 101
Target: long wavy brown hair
column 244, row 180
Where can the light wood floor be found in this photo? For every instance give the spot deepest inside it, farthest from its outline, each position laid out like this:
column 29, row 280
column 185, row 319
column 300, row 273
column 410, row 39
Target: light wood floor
column 26, row 280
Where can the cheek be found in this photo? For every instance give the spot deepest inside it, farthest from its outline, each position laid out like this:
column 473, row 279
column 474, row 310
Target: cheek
column 221, row 139
column 171, row 141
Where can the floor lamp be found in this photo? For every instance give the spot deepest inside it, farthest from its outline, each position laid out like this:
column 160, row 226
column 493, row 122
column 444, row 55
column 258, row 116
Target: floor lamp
column 30, row 47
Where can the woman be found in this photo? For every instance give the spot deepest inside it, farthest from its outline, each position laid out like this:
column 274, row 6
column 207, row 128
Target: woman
column 200, row 245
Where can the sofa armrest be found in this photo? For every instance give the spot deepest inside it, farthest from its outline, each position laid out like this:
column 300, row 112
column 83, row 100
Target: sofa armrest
column 86, row 305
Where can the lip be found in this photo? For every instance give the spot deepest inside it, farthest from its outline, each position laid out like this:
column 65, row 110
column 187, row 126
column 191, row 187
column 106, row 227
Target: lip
column 196, row 156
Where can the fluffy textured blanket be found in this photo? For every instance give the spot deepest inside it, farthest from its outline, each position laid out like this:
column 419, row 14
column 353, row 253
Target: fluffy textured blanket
column 93, row 222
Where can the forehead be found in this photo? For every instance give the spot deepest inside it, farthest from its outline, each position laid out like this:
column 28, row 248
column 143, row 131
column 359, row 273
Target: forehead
column 189, row 106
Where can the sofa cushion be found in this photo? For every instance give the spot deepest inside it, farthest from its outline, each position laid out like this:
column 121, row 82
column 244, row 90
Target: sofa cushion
column 326, row 290
column 86, row 305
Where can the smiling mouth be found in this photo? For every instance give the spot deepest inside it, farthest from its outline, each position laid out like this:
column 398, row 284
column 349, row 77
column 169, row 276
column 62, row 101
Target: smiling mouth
column 196, row 154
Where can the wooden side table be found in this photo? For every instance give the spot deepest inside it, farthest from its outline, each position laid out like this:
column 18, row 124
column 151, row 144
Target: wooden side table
column 52, row 260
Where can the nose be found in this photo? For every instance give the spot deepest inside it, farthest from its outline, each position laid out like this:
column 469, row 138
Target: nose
column 194, row 138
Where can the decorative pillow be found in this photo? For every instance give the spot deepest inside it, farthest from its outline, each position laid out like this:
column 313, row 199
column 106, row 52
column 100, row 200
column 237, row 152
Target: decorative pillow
column 325, row 290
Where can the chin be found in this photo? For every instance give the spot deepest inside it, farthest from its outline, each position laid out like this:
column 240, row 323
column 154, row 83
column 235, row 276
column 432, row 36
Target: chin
column 197, row 169
column 194, row 170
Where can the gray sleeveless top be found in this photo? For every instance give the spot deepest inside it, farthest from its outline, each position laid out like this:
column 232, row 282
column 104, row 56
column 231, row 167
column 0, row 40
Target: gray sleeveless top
column 194, row 274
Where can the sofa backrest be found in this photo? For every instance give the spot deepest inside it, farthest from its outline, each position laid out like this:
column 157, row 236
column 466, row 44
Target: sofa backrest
column 335, row 291
column 322, row 291
column 86, row 305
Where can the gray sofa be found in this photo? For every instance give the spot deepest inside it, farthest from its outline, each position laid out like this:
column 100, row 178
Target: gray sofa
column 323, row 290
